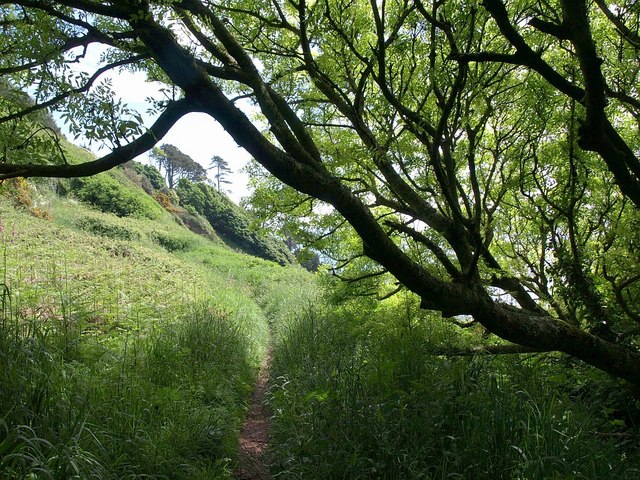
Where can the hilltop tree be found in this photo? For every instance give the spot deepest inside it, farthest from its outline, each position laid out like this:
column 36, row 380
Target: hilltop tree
column 177, row 165
column 481, row 153
column 221, row 168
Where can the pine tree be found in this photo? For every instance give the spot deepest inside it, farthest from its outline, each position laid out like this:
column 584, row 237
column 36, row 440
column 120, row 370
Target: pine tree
column 221, row 169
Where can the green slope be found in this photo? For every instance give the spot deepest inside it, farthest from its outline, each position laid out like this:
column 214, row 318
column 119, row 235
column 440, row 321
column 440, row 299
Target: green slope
column 129, row 344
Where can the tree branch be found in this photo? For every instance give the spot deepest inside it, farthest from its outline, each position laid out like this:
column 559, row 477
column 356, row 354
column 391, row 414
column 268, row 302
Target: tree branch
column 84, row 88
column 508, row 349
column 625, row 32
column 599, row 135
column 173, row 112
column 529, row 58
column 432, row 246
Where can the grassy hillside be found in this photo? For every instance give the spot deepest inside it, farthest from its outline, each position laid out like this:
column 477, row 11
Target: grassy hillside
column 128, row 344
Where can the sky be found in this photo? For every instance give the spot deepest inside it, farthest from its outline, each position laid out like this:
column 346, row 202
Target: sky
column 201, row 137
column 196, row 134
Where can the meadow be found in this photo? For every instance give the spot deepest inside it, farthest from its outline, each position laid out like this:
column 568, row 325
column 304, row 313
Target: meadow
column 129, row 348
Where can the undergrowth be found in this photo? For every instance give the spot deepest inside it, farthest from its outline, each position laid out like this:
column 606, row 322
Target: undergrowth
column 129, row 345
column 358, row 393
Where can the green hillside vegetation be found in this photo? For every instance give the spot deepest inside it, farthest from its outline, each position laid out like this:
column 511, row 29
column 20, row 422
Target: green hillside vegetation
column 131, row 335
column 363, row 391
column 119, row 358
column 231, row 222
column 469, row 172
column 139, row 191
column 121, row 191
column 130, row 345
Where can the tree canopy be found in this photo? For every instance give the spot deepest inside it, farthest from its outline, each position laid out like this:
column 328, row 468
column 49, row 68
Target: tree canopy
column 177, row 165
column 483, row 154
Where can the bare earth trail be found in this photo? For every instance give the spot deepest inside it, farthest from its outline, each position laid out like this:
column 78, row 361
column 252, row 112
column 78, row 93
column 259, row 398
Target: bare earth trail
column 252, row 462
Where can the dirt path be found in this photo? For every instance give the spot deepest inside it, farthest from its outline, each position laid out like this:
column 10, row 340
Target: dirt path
column 252, row 464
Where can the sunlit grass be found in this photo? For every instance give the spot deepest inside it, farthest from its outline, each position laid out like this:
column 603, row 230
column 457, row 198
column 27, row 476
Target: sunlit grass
column 121, row 356
column 129, row 347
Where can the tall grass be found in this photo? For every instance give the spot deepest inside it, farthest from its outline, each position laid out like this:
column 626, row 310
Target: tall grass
column 359, row 394
column 119, row 359
column 166, row 405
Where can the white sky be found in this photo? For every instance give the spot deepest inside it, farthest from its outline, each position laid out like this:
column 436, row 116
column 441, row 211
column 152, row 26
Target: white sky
column 196, row 134
column 201, row 137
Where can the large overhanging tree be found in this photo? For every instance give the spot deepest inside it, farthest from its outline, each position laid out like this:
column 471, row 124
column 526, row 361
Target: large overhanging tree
column 485, row 153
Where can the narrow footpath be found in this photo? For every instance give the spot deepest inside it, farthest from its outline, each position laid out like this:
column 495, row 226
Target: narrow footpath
column 252, row 462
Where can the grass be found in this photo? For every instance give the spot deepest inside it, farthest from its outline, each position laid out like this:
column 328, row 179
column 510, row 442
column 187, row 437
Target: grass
column 357, row 393
column 128, row 346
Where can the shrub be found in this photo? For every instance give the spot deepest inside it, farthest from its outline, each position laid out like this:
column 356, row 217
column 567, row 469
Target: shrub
column 104, row 228
column 151, row 173
column 111, row 196
column 195, row 222
column 168, row 200
column 21, row 192
column 171, row 243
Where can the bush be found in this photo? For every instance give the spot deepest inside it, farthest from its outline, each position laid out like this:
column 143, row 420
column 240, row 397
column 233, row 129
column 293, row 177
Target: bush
column 171, row 243
column 111, row 196
column 196, row 223
column 151, row 173
column 22, row 193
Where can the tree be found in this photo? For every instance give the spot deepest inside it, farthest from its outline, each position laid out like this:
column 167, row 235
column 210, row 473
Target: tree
column 177, row 165
column 221, row 168
column 482, row 153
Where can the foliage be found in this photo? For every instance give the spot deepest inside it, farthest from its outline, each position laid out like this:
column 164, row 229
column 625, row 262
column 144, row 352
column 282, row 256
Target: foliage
column 107, row 228
column 155, row 179
column 230, row 222
column 308, row 259
column 35, row 138
column 25, row 195
column 130, row 352
column 483, row 154
column 119, row 359
column 20, row 99
column 196, row 223
column 88, row 433
column 177, row 165
column 110, row 195
column 170, row 242
column 359, row 393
